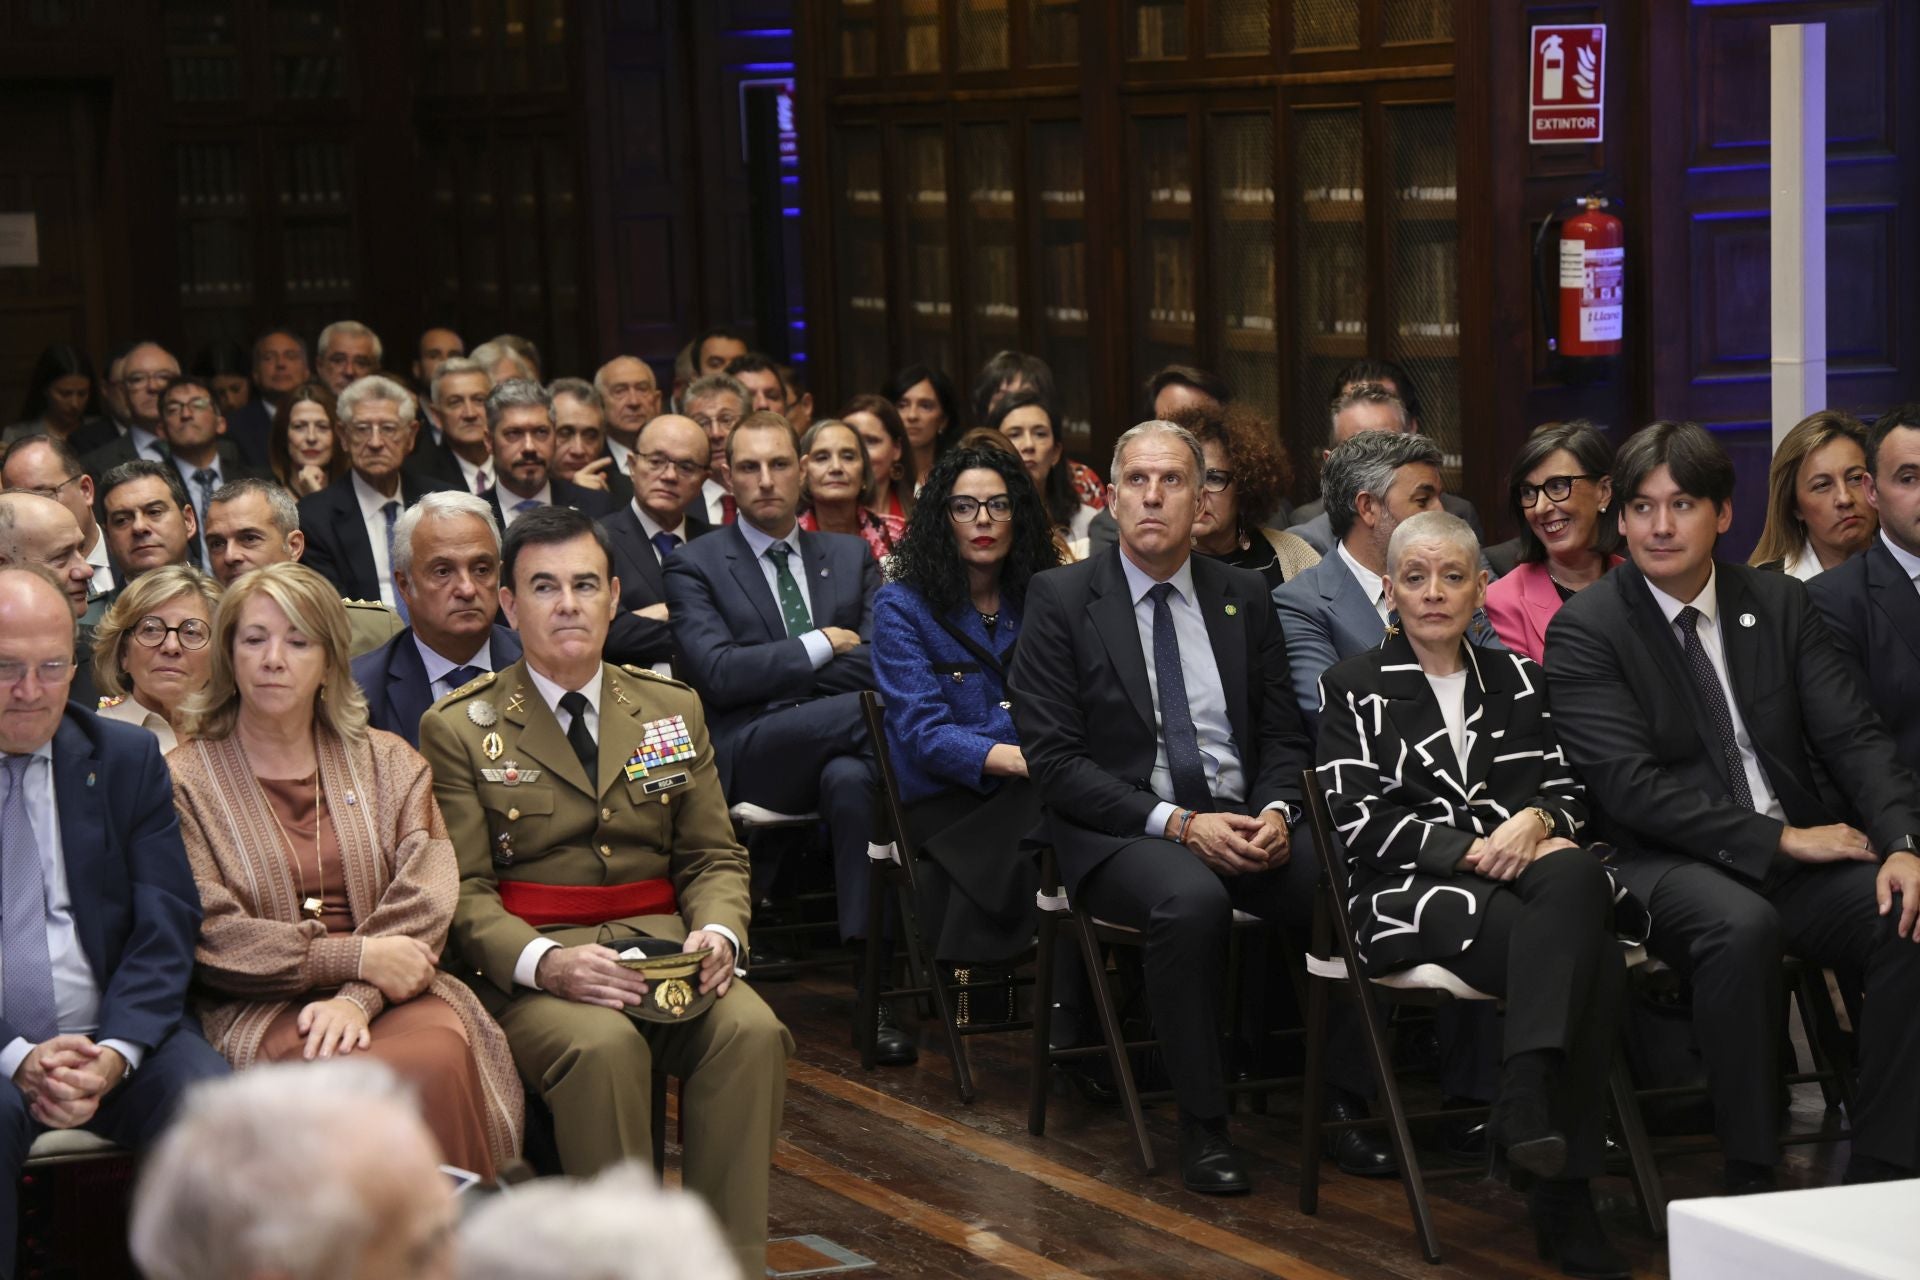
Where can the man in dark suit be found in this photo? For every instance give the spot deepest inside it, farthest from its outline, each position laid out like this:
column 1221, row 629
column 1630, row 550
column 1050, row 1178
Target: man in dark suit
column 669, row 458
column 462, row 455
column 446, row 565
column 1872, row 602
column 100, row 909
column 190, row 419
column 520, row 429
column 143, row 373
column 772, row 623
column 349, row 524
column 1151, row 694
column 1713, row 720
column 279, row 365
column 580, row 454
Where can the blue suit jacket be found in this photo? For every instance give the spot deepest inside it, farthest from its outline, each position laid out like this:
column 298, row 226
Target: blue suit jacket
column 945, row 710
column 1327, row 617
column 135, row 908
column 395, row 681
column 733, row 643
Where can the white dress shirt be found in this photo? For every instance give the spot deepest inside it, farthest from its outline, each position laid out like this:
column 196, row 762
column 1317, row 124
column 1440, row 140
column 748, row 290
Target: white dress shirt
column 478, row 477
column 529, row 962
column 1711, row 639
column 819, row 648
column 621, row 455
column 147, row 444
column 1908, row 562
column 438, row 667
column 1206, row 697
column 1370, row 582
column 711, row 492
column 653, row 529
column 1803, row 564
column 371, row 503
column 509, row 500
column 102, row 565
column 76, row 998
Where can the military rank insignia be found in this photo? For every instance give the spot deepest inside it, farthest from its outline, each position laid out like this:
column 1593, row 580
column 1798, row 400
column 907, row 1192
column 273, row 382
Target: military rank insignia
column 661, row 742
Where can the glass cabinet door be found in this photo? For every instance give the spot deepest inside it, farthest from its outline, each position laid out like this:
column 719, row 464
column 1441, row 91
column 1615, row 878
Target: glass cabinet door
column 985, row 38
column 1164, row 279
column 1327, row 299
column 1053, row 33
column 1156, row 29
column 928, row 262
column 919, row 32
column 859, row 42
column 1058, row 182
column 1423, row 267
column 1241, row 247
column 860, row 193
column 990, row 218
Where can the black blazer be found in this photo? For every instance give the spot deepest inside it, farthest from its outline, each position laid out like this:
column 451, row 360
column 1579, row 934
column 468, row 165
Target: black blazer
column 643, row 582
column 395, row 681
column 337, row 545
column 436, row 459
column 1638, row 733
column 593, row 502
column 1409, row 812
column 1085, row 710
column 1874, row 612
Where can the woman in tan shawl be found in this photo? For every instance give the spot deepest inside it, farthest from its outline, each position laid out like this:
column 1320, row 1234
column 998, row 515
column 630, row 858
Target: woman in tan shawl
column 325, row 872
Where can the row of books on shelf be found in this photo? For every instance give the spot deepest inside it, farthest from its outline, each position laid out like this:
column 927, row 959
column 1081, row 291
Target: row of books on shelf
column 1429, row 193
column 1066, row 280
column 987, row 158
column 1333, row 288
column 858, row 46
column 1062, row 195
column 1247, row 291
column 927, row 169
column 314, row 173
column 215, row 260
column 983, row 39
column 920, row 37
column 305, row 77
column 209, row 176
column 994, row 275
column 929, row 275
column 320, row 260
column 1160, row 29
column 1170, row 279
column 1427, row 292
column 197, row 77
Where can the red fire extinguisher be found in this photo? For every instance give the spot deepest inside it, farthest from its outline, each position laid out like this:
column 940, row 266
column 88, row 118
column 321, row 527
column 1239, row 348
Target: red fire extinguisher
column 1586, row 321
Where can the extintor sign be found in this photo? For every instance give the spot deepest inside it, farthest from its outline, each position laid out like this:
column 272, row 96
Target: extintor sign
column 1567, row 84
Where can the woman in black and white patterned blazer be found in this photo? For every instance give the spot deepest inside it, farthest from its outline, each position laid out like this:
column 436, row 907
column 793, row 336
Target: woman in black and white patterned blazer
column 1475, row 866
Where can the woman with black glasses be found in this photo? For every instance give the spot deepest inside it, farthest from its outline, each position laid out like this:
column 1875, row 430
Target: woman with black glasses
column 1561, row 491
column 150, row 650
column 943, row 636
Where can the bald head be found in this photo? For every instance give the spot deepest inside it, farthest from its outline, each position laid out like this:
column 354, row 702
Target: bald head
column 39, row 531
column 632, row 395
column 669, row 463
column 36, row 640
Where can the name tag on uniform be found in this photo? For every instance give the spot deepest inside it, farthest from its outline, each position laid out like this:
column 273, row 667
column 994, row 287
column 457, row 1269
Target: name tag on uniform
column 653, row 786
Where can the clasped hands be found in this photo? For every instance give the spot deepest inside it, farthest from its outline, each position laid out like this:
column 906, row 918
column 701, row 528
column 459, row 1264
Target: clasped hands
column 1233, row 844
column 1513, row 846
column 65, row 1078
column 593, row 974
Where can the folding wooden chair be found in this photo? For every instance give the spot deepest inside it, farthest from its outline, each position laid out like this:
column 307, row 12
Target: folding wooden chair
column 892, row 860
column 750, row 819
column 1333, row 962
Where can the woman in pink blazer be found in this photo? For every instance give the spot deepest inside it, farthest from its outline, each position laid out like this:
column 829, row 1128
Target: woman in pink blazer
column 1560, row 491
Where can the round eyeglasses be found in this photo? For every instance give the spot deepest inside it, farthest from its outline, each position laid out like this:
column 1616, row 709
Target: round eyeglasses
column 153, row 632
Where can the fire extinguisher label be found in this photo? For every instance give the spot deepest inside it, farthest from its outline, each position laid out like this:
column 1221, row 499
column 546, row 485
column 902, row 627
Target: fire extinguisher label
column 1601, row 293
column 1573, row 264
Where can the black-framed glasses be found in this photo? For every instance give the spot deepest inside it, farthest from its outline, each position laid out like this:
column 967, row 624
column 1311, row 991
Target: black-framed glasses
column 961, row 508
column 153, row 631
column 1557, row 489
column 1216, row 481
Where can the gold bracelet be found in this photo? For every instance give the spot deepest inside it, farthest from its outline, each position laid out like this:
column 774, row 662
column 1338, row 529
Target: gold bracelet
column 1546, row 818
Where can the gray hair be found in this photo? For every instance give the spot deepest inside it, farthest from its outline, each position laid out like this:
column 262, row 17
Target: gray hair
column 715, row 384
column 1365, row 464
column 285, row 510
column 489, row 355
column 1157, row 427
column 444, row 505
column 1433, row 526
column 456, row 364
column 375, row 386
column 578, row 389
column 1363, row 393
column 516, row 393
column 348, row 329
column 620, row 1226
column 245, row 1182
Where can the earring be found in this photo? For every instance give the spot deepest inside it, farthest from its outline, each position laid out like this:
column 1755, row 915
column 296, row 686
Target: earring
column 323, row 691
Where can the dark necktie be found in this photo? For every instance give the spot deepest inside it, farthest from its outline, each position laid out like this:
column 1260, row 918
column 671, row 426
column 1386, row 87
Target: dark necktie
column 793, row 610
column 26, row 987
column 391, row 510
column 459, row 676
column 203, row 480
column 1707, row 681
column 665, row 544
column 1190, row 789
column 728, row 508
column 579, row 737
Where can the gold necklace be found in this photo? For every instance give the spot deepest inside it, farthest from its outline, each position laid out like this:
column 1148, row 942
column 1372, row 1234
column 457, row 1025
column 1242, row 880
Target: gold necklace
column 311, row 906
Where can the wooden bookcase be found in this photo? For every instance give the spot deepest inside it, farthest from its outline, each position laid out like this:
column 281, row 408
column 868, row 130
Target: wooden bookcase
column 1266, row 188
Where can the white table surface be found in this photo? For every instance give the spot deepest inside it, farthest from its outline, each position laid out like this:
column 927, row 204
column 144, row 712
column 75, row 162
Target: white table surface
column 1868, row 1232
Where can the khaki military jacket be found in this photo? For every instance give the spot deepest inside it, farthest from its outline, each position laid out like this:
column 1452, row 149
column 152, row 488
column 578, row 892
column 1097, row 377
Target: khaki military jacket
column 518, row 806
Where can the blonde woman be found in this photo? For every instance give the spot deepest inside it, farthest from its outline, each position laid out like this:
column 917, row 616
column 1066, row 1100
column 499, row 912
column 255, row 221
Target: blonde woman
column 151, row 651
column 325, row 872
column 1817, row 509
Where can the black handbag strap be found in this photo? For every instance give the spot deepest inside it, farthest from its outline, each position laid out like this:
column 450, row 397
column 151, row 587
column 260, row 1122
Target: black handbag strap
column 983, row 655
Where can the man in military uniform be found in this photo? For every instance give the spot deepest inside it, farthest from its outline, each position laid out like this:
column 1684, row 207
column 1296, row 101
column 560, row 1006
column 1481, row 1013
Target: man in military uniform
column 584, row 805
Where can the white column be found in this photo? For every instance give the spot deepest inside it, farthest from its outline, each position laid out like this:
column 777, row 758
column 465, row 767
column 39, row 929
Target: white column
column 1799, row 173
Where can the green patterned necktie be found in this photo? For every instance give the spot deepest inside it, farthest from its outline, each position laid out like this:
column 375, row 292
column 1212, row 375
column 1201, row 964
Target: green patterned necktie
column 792, row 607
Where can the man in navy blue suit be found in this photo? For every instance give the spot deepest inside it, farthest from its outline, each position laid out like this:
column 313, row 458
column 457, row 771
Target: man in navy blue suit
column 98, row 910
column 772, row 625
column 520, row 426
column 446, row 566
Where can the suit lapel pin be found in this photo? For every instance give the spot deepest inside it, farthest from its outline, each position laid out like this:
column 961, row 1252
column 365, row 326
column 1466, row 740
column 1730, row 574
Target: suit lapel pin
column 823, row 573
column 1232, row 609
column 1746, row 619
column 90, row 779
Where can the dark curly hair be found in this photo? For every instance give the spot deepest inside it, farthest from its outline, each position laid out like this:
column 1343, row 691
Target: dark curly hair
column 1261, row 470
column 927, row 559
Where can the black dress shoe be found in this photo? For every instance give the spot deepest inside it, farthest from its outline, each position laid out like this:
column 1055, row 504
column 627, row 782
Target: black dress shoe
column 892, row 1046
column 1464, row 1139
column 1092, row 1079
column 1519, row 1123
column 1745, row 1178
column 1209, row 1163
column 1362, row 1153
column 758, row 956
column 1568, row 1232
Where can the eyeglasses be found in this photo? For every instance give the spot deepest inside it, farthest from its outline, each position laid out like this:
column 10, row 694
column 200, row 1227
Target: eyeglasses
column 52, row 671
column 1216, row 481
column 1556, row 488
column 153, row 632
column 961, row 508
column 54, row 492
column 707, row 422
column 360, row 431
column 143, row 379
column 679, row 466
column 186, row 408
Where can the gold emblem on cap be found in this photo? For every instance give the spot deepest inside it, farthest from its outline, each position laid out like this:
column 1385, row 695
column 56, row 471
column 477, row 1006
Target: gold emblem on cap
column 491, row 746
column 672, row 996
column 483, row 713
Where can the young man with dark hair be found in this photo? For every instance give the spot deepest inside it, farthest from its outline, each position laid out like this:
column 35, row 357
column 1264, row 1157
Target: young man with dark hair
column 1714, row 720
column 761, row 377
column 715, row 349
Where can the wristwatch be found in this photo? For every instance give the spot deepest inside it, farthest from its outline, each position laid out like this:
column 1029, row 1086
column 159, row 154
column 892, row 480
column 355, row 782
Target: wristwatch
column 1546, row 818
column 1905, row 844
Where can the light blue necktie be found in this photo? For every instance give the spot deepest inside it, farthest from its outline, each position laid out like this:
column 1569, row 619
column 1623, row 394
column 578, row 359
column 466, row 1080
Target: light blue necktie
column 391, row 510
column 27, row 987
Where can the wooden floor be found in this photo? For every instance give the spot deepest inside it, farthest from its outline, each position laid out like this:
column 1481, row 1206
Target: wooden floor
column 891, row 1166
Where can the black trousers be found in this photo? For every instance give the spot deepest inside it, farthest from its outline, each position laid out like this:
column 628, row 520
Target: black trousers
column 817, row 754
column 1546, row 944
column 1728, row 938
column 1185, row 909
